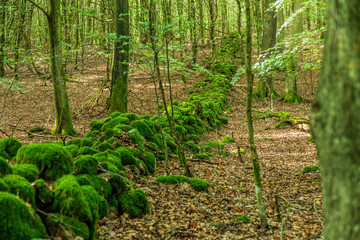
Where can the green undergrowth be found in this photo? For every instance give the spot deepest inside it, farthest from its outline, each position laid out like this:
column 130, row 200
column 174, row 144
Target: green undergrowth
column 284, row 119
column 197, row 184
column 311, row 168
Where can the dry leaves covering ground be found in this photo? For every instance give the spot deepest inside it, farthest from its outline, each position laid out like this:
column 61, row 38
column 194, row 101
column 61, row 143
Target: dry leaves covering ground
column 178, row 212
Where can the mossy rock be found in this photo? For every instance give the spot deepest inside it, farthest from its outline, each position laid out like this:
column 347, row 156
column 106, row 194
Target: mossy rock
column 104, row 146
column 146, row 116
column 3, row 153
column 136, row 137
column 17, row 221
column 3, row 186
column 127, row 158
column 63, row 227
column 153, row 146
column 10, row 145
column 21, row 187
column 190, row 129
column 243, row 218
column 202, row 156
column 114, row 159
column 95, row 125
column 98, row 183
column 311, row 168
column 224, row 153
column 206, row 148
column 118, row 184
column 73, row 149
column 228, row 139
column 192, row 147
column 150, row 162
column 70, row 200
column 115, row 114
column 198, row 184
column 74, row 141
column 52, row 160
column 28, row 171
column 109, row 133
column 43, row 196
column 144, row 129
column 109, row 167
column 172, row 179
column 86, row 164
column 101, row 156
column 86, row 142
column 92, row 134
column 114, row 122
column 131, row 116
column 38, row 130
column 87, row 151
column 134, row 202
column 216, row 144
column 124, row 127
column 4, row 167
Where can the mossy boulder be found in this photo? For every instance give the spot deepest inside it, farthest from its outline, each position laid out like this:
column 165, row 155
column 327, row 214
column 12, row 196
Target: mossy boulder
column 108, row 167
column 172, row 179
column 216, row 144
column 28, row 171
column 136, row 137
column 17, row 221
column 144, row 129
column 192, row 147
column 3, row 186
column 74, row 141
column 150, row 162
column 4, row 167
column 127, row 157
column 131, row 116
column 10, row 145
column 134, row 202
column 95, row 125
column 202, row 156
column 73, row 149
column 311, row 168
column 114, row 122
column 63, row 227
column 86, row 164
column 70, row 200
column 98, row 183
column 87, row 151
column 92, row 134
column 198, row 184
column 223, row 120
column 43, row 196
column 52, row 160
column 104, row 146
column 228, row 139
column 86, row 142
column 119, row 184
column 21, row 187
column 124, row 127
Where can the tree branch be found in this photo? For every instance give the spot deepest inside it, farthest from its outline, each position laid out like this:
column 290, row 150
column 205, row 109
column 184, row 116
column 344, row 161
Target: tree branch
column 40, row 8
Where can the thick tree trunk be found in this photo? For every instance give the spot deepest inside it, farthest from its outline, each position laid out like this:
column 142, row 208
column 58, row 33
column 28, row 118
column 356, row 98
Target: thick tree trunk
column 120, row 71
column 213, row 17
column 63, row 121
column 265, row 87
column 193, row 31
column 335, row 122
column 254, row 155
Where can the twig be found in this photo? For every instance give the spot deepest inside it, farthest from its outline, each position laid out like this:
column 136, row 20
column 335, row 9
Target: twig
column 205, row 161
column 247, row 236
column 316, row 212
column 173, row 233
column 4, row 133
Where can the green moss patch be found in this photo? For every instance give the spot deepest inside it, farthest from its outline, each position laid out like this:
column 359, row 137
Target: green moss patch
column 228, row 139
column 134, row 202
column 4, row 167
column 199, row 184
column 243, row 218
column 17, row 221
column 21, row 187
column 119, row 184
column 144, row 129
column 150, row 161
column 311, row 168
column 87, row 151
column 73, row 149
column 52, row 160
column 98, row 183
column 64, row 227
column 28, row 171
column 10, row 145
column 86, row 164
column 44, row 197
column 136, row 137
column 115, row 121
column 127, row 157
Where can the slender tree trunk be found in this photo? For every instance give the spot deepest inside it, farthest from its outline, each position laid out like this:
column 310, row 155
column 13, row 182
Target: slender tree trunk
column 335, row 122
column 201, row 22
column 281, row 30
column 254, row 155
column 213, row 17
column 2, row 36
column 63, row 121
column 265, row 87
column 120, row 71
column 193, row 31
column 239, row 29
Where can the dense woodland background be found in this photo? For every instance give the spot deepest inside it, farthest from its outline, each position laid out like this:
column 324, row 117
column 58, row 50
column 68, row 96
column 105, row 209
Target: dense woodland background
column 64, row 64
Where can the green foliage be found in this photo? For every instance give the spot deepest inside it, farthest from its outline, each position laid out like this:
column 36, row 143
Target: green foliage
column 243, row 218
column 4, row 167
column 143, row 128
column 216, row 144
column 28, row 171
column 70, row 200
column 10, row 145
column 134, row 202
column 98, row 183
column 21, row 187
column 192, row 147
column 114, row 122
column 17, row 221
column 311, row 168
column 52, row 160
column 86, row 164
column 198, row 184
column 228, row 139
column 87, row 151
column 43, row 196
column 65, row 227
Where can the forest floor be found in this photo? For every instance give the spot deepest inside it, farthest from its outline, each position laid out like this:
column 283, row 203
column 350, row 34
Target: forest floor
column 178, row 212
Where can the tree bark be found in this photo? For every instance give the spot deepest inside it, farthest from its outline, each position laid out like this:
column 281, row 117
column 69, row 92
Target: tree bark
column 120, row 71
column 335, row 122
column 2, row 37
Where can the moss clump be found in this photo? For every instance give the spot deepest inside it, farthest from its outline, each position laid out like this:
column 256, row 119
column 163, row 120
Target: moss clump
column 130, row 116
column 124, row 127
column 136, row 137
column 28, row 171
column 109, row 167
column 311, row 168
column 74, row 141
column 52, row 160
column 172, row 179
column 87, row 151
column 70, row 200
column 134, row 202
column 150, row 162
column 86, row 164
column 199, row 184
column 17, row 221
column 206, row 148
column 113, row 122
column 216, row 144
column 202, row 156
column 21, row 187
column 3, row 186
column 115, row 114
column 43, row 196
column 86, row 142
column 228, row 139
column 4, row 167
column 101, row 156
column 192, row 147
column 10, row 145
column 127, row 158
column 144, row 129
column 243, row 218
column 229, row 110
column 118, row 184
column 225, row 153
column 73, row 149
column 92, row 134
column 95, row 125
column 104, row 146
column 223, row 120
column 98, row 183
column 64, row 227
column 114, row 159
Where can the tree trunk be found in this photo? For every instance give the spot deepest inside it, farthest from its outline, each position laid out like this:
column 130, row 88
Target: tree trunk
column 193, row 31
column 63, row 121
column 2, row 37
column 254, row 155
column 335, row 122
column 120, row 71
column 239, row 29
column 265, row 87
column 213, row 17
